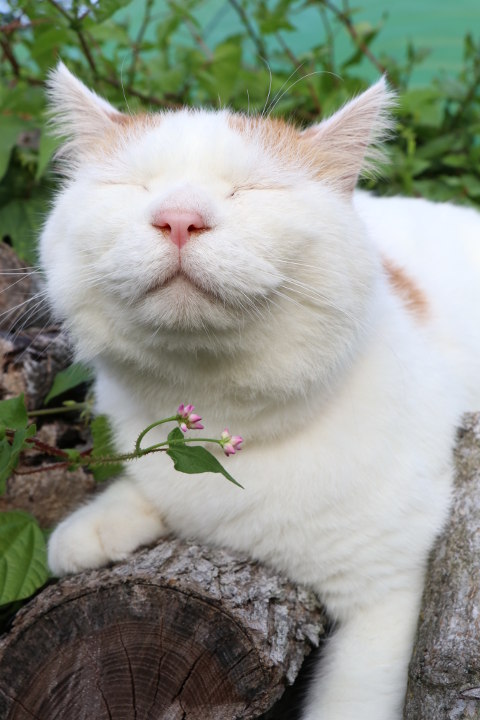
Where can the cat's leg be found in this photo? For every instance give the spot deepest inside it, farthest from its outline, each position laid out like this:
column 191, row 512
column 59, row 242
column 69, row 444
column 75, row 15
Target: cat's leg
column 109, row 528
column 363, row 672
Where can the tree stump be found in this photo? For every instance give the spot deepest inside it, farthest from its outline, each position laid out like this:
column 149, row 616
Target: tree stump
column 444, row 682
column 182, row 631
column 179, row 631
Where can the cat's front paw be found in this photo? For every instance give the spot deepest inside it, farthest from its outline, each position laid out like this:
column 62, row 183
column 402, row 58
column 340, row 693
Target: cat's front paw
column 102, row 532
column 75, row 545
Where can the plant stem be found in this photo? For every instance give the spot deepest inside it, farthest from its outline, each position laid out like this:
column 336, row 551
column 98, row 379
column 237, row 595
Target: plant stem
column 344, row 17
column 138, row 42
column 138, row 448
column 259, row 44
column 177, row 443
column 54, row 411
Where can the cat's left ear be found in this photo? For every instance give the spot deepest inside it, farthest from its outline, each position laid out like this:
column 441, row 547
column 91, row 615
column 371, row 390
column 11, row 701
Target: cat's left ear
column 78, row 114
column 349, row 142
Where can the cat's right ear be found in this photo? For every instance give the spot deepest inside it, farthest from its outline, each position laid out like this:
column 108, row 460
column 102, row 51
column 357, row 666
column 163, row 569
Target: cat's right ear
column 78, row 115
column 349, row 142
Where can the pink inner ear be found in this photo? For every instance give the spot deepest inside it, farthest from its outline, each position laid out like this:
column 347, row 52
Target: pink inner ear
column 179, row 224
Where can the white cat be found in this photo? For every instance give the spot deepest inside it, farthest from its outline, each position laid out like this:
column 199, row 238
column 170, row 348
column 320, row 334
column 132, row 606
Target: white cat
column 223, row 260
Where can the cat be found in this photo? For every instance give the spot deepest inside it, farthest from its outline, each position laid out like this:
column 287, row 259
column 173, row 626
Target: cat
column 227, row 261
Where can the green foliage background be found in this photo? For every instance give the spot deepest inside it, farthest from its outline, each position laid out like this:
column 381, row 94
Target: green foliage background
column 161, row 54
column 154, row 54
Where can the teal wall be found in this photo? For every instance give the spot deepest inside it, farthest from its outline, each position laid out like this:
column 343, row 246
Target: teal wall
column 439, row 25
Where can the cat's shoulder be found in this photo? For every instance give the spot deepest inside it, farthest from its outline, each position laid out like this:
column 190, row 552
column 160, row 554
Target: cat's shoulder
column 412, row 215
column 405, row 228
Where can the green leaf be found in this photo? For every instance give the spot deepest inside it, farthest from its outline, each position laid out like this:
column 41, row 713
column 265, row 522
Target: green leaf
column 273, row 19
column 176, row 436
column 471, row 185
column 439, row 146
column 10, row 451
column 106, row 8
column 13, row 413
column 23, row 556
column 69, row 378
column 46, row 148
column 6, row 463
column 221, row 75
column 455, row 161
column 73, row 458
column 9, row 132
column 103, row 446
column 196, row 459
column 21, row 220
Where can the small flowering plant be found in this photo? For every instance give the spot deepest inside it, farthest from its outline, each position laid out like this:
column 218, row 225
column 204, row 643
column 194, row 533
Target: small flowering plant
column 188, row 454
column 187, row 418
column 230, row 443
column 191, row 458
column 22, row 542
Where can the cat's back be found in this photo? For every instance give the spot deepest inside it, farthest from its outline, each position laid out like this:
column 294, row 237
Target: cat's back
column 431, row 252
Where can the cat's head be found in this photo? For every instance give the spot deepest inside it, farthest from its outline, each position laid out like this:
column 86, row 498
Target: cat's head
column 203, row 230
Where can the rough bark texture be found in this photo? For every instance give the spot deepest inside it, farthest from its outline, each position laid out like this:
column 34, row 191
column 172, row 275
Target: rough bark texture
column 30, row 358
column 50, row 495
column 29, row 361
column 444, row 682
column 179, row 631
column 182, row 631
column 20, row 294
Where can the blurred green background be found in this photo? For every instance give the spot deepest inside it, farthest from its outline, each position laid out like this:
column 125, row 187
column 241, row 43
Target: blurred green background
column 438, row 26
column 298, row 58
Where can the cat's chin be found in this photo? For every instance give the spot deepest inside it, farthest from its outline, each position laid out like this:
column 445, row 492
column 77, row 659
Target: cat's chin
column 179, row 303
column 181, row 284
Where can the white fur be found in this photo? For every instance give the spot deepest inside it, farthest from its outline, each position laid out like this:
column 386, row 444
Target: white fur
column 290, row 335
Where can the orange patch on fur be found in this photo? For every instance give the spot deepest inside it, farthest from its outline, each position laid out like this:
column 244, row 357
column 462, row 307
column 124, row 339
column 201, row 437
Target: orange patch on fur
column 143, row 119
column 276, row 135
column 121, row 125
column 406, row 288
column 294, row 146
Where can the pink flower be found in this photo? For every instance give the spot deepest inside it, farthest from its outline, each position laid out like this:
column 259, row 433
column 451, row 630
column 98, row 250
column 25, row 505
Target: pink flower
column 187, row 419
column 230, row 443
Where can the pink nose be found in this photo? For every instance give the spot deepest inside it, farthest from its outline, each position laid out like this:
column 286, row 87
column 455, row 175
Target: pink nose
column 179, row 224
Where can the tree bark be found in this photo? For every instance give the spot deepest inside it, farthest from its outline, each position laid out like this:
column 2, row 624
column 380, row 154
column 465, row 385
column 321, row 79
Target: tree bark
column 444, row 677
column 50, row 494
column 21, row 296
column 179, row 631
column 29, row 361
column 182, row 631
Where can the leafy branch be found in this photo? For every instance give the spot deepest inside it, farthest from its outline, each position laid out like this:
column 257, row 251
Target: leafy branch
column 21, row 539
column 18, row 435
column 344, row 17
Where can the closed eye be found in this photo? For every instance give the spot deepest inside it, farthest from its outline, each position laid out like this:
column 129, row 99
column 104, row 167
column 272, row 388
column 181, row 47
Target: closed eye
column 121, row 183
column 257, row 186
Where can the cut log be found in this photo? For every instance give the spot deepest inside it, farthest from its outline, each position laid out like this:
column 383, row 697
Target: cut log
column 182, row 631
column 444, row 682
column 179, row 631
